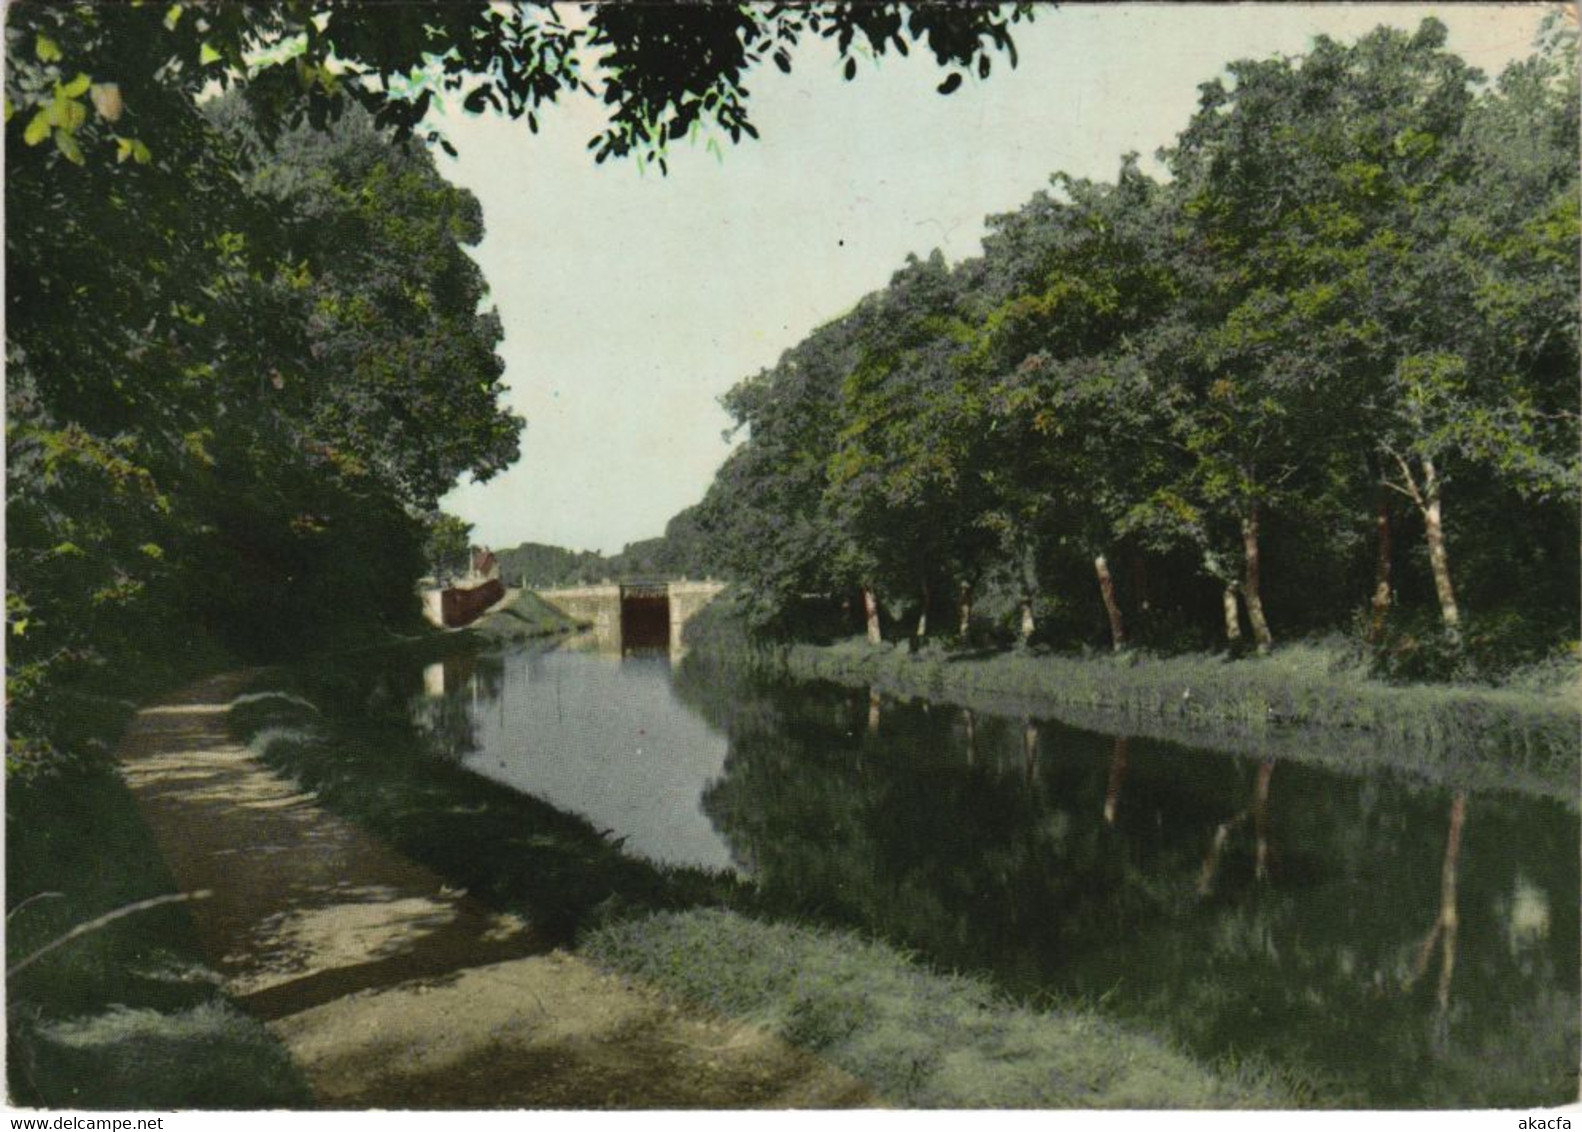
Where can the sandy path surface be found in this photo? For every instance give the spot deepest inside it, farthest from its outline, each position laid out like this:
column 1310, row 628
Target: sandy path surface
column 391, row 990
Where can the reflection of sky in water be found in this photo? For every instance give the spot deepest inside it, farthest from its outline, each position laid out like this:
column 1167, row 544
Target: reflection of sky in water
column 605, row 738
column 1527, row 921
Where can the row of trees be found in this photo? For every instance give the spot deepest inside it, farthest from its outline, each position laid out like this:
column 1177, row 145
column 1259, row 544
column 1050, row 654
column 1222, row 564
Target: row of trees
column 1349, row 311
column 682, row 551
column 238, row 380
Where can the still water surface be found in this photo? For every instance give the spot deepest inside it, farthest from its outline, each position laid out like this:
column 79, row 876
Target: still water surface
column 1391, row 944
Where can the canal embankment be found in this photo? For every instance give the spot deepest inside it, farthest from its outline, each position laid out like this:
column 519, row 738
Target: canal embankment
column 337, row 972
column 523, row 615
column 1310, row 701
column 912, row 1035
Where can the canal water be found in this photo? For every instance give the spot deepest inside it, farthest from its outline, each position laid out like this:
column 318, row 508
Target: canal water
column 1385, row 943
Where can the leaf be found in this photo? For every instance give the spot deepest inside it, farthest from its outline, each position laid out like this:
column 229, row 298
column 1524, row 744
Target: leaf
column 207, row 55
column 48, row 50
column 76, row 88
column 851, row 69
column 69, row 114
column 950, row 84
column 107, row 100
column 68, row 147
column 782, row 60
column 172, row 17
column 37, row 129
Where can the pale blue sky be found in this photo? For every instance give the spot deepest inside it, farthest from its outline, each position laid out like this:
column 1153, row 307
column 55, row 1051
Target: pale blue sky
column 631, row 302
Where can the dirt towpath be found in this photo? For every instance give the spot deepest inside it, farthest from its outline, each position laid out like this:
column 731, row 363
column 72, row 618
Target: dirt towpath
column 391, row 990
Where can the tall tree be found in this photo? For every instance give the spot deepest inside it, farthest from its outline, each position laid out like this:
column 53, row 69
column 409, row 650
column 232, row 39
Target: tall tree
column 767, row 510
column 903, row 475
column 1075, row 280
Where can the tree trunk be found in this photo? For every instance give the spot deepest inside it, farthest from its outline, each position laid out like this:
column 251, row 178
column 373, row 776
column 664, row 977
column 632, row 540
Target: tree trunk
column 1030, row 749
column 1249, row 590
column 972, row 736
column 1438, row 556
column 1029, row 587
column 1111, row 606
column 870, row 608
column 922, row 617
column 1232, row 614
column 965, row 606
column 1383, row 567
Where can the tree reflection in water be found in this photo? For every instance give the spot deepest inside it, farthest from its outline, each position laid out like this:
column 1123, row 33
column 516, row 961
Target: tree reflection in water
column 1112, row 789
column 1258, row 810
column 455, row 689
column 1446, row 925
column 1046, row 881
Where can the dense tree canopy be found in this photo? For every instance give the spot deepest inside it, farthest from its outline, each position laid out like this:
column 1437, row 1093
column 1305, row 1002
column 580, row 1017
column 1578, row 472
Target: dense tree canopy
column 663, row 71
column 246, row 349
column 1347, row 316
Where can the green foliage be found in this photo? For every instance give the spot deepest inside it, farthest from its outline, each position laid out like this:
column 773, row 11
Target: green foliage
column 205, row 291
column 448, row 547
column 392, row 375
column 683, row 551
column 667, row 73
column 200, row 460
column 1360, row 281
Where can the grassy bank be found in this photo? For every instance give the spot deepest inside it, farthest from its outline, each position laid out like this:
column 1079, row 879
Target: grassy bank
column 918, row 1036
column 525, row 617
column 126, row 1016
column 1307, row 700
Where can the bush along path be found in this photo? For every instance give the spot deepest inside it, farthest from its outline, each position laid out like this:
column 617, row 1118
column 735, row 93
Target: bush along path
column 390, row 989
